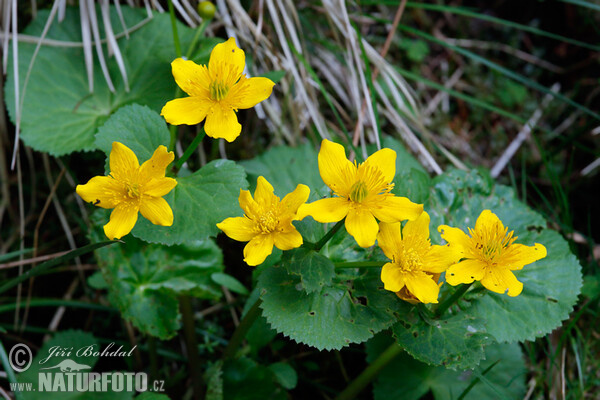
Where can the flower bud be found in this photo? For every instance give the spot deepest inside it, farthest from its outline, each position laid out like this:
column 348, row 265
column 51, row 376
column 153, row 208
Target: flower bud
column 206, row 9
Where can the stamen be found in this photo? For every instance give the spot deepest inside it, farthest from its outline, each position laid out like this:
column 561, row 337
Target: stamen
column 133, row 191
column 268, row 222
column 359, row 192
column 218, row 90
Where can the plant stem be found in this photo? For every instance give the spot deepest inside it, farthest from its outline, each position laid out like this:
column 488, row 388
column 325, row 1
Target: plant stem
column 242, row 330
column 358, row 384
column 10, row 374
column 188, row 152
column 328, row 235
column 174, row 28
column 189, row 331
column 199, row 33
column 153, row 357
column 359, row 264
column 444, row 305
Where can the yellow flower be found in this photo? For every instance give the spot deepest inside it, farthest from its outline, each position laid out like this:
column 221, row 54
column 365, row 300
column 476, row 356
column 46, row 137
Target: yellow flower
column 216, row 92
column 131, row 188
column 416, row 264
column 363, row 193
column 267, row 221
column 489, row 255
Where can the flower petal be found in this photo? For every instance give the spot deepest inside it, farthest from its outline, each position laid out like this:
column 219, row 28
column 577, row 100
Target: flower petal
column 123, row 162
column 103, row 191
column 221, row 122
column 293, row 200
column 186, row 111
column 228, row 53
column 122, row 221
column 439, row 258
column 157, row 211
column 458, row 241
column 465, row 271
column 423, row 287
column 418, row 229
column 332, row 209
column 389, row 239
column 249, row 92
column 336, row 171
column 157, row 164
column 288, row 240
column 516, row 256
column 361, row 224
column 159, row 187
column 247, row 203
column 392, row 277
column 396, row 209
column 258, row 249
column 502, row 280
column 487, row 220
column 263, row 194
column 191, row 77
column 385, row 161
column 238, row 228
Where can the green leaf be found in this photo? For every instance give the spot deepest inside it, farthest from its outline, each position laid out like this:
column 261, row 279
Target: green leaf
column 550, row 285
column 229, row 282
column 455, row 341
column 260, row 333
column 97, row 281
column 60, row 115
column 275, row 76
column 405, row 378
column 315, row 270
column 244, row 379
column 152, row 396
column 214, row 381
column 138, row 127
column 332, row 317
column 285, row 374
column 145, row 280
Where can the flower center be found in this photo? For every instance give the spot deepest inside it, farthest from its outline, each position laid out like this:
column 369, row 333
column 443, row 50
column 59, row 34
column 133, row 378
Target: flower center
column 359, row 192
column 218, row 90
column 491, row 242
column 133, row 191
column 411, row 261
column 268, row 222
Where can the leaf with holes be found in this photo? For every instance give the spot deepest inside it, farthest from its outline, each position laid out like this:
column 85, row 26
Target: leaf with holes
column 315, row 270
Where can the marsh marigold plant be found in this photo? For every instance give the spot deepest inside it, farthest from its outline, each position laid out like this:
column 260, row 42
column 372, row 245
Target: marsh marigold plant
column 416, row 265
column 362, row 193
column 216, row 92
column 267, row 221
column 489, row 255
column 131, row 188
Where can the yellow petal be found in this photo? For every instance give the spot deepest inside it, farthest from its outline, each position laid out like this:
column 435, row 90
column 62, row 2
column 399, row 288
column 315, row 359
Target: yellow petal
column 191, row 77
column 238, row 228
column 122, row 221
column 263, row 194
column 258, row 249
column 417, row 230
column 516, row 256
column 123, row 162
column 292, row 201
column 287, row 240
column 423, row 287
column 159, row 187
column 439, row 258
column 396, row 209
column 157, row 164
column 247, row 203
column 362, row 226
column 392, row 277
column 336, row 171
column 102, row 191
column 385, row 161
column 186, row 111
column 221, row 122
column 465, row 271
column 389, row 239
column 249, row 92
column 502, row 280
column 332, row 209
column 227, row 53
column 157, row 211
column 487, row 220
column 458, row 241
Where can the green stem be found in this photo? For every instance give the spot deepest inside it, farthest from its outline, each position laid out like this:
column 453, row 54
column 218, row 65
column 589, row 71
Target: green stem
column 153, row 355
column 190, row 150
column 242, row 330
column 328, row 235
column 189, row 331
column 174, row 28
column 199, row 32
column 360, row 264
column 444, row 305
column 358, row 384
column 10, row 374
